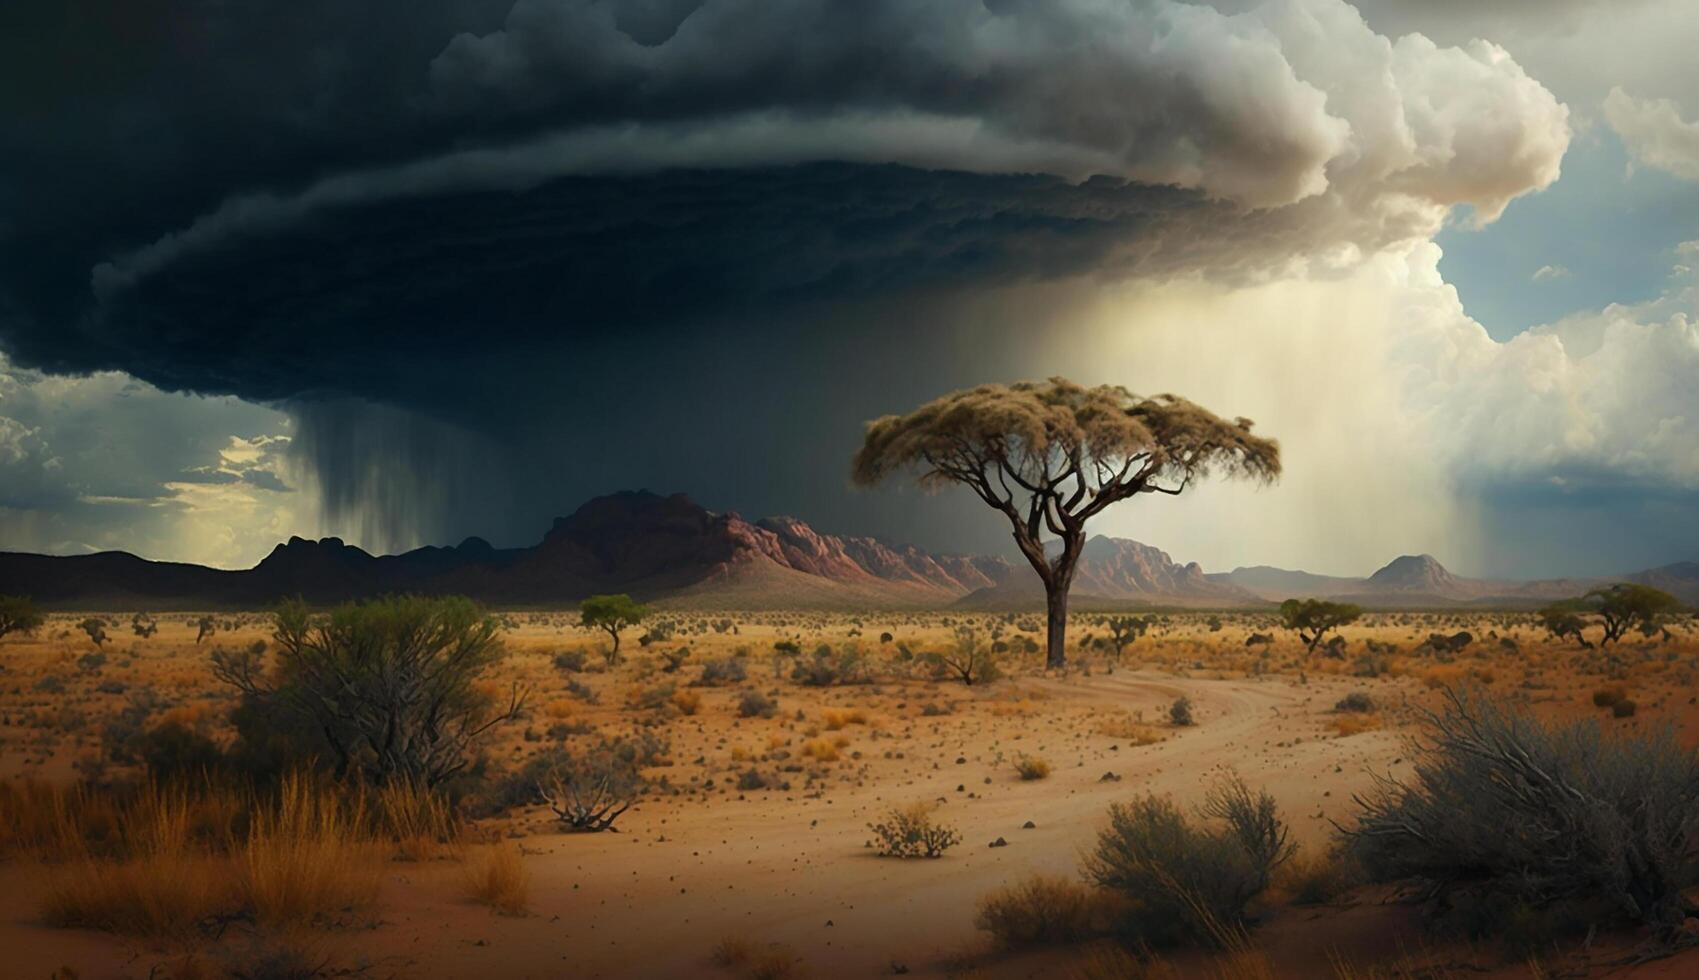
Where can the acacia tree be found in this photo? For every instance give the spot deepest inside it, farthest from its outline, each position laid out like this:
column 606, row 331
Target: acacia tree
column 1627, row 605
column 1051, row 455
column 1313, row 619
column 611, row 614
column 18, row 614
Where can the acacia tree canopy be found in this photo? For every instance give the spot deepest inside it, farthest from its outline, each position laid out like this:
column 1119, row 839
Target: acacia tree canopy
column 1051, row 455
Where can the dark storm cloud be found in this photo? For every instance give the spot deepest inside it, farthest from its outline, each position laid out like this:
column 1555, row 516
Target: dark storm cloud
column 517, row 217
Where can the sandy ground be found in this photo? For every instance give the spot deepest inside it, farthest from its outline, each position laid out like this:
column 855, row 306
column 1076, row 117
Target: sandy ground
column 790, row 866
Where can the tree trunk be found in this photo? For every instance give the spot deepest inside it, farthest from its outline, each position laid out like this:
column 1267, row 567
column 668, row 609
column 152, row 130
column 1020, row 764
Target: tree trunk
column 1056, row 601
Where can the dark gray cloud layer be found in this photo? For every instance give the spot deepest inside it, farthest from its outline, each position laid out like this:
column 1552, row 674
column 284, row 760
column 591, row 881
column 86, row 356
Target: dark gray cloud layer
column 538, row 224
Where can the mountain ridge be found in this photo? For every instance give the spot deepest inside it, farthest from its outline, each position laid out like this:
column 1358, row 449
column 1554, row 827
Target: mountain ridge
column 672, row 550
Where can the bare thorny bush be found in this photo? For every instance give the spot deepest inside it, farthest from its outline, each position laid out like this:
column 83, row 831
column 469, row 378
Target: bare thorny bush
column 390, row 684
column 590, row 789
column 1514, row 813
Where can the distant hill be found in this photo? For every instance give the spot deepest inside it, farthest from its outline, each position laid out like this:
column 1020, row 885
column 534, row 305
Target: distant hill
column 1420, row 581
column 1118, row 572
column 674, row 551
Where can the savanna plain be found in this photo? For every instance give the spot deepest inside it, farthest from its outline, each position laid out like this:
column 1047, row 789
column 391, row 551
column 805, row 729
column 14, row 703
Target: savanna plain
column 788, row 794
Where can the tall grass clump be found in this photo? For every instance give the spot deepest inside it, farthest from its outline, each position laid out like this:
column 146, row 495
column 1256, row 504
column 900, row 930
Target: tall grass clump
column 184, row 857
column 309, row 857
column 500, row 879
column 1511, row 816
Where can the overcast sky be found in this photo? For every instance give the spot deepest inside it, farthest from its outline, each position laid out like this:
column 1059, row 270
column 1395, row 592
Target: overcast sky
column 407, row 272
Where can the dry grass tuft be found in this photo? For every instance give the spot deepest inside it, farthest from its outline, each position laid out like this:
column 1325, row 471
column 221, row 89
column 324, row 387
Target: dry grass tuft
column 306, row 859
column 732, row 951
column 687, row 701
column 836, row 718
column 775, row 964
column 501, row 880
column 1137, row 733
column 824, row 749
column 421, row 824
column 308, row 856
column 1353, row 724
column 1031, row 767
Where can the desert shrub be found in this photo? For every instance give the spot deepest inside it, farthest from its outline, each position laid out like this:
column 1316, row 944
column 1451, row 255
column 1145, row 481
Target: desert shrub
column 1606, row 697
column 1505, row 811
column 1371, row 664
column 1185, row 881
column 672, row 660
column 273, row 740
column 571, row 661
column 969, row 659
column 1348, row 723
column 172, row 750
column 1031, row 767
column 1316, row 879
column 96, row 630
column 1044, row 910
column 732, row 951
column 828, row 668
column 19, row 614
column 500, row 880
column 687, row 702
column 912, row 832
column 752, row 779
column 589, row 789
column 754, row 704
column 1356, row 701
column 650, row 698
column 1624, row 708
column 391, row 684
column 1180, row 712
column 726, row 670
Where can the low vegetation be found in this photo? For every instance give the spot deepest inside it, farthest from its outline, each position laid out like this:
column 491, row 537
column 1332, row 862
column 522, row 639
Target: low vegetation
column 1187, row 881
column 1045, row 910
column 1506, row 812
column 912, row 832
column 499, row 879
